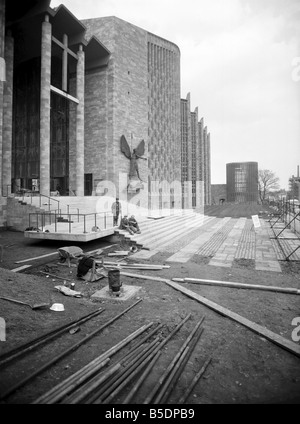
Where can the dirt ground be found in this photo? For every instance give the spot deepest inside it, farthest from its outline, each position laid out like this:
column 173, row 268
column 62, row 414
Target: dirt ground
column 245, row 368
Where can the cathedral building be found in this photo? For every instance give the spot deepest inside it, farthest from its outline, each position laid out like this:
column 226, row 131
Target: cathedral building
column 94, row 107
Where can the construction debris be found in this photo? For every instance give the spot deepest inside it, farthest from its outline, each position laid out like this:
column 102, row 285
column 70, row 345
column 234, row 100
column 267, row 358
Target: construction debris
column 35, row 306
column 68, row 292
column 237, row 285
column 120, row 253
column 258, row 329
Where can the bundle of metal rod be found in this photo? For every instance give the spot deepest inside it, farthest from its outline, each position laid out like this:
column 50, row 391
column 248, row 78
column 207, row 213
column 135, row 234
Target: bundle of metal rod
column 84, row 390
column 135, row 369
column 178, row 369
column 62, row 355
column 45, row 338
column 142, row 378
column 115, row 382
column 91, row 385
column 163, row 378
column 159, row 347
column 71, row 383
column 197, row 377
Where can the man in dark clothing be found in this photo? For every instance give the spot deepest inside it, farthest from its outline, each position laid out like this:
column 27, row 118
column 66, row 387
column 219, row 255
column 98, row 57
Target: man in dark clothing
column 116, row 211
column 133, row 223
column 126, row 226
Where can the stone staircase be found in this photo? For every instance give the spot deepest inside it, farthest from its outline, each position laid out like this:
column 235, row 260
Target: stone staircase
column 75, row 220
column 157, row 233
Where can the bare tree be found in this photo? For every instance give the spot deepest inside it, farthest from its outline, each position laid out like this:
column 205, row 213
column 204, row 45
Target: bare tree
column 267, row 181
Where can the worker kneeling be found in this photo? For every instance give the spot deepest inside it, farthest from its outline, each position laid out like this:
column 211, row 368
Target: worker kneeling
column 134, row 224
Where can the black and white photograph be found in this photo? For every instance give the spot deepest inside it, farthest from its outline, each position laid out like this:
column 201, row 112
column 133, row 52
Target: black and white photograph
column 150, row 205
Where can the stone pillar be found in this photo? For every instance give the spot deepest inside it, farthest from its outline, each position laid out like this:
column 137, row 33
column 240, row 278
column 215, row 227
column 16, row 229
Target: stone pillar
column 45, row 107
column 208, row 169
column 80, row 123
column 2, row 80
column 7, row 115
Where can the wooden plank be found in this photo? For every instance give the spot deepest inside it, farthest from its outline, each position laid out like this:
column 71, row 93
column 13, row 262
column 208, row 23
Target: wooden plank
column 20, row 268
column 37, row 257
column 258, row 329
column 237, row 285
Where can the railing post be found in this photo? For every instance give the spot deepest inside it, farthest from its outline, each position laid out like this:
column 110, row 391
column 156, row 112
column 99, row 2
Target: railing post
column 78, row 214
column 70, row 224
column 84, row 224
column 105, row 220
column 55, row 217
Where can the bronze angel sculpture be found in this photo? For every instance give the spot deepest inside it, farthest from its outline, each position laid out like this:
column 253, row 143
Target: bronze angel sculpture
column 133, row 157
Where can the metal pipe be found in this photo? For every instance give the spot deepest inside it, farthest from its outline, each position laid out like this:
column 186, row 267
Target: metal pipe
column 159, row 347
column 138, row 368
column 168, row 381
column 175, row 374
column 141, row 379
column 128, row 374
column 47, row 397
column 105, row 390
column 195, row 380
column 76, row 382
column 92, row 386
column 33, row 344
column 168, row 370
column 68, row 386
column 62, row 355
column 133, row 351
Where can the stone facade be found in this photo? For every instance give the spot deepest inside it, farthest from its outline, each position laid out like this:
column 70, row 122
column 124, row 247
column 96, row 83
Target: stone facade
column 195, row 154
column 117, row 80
column 141, row 102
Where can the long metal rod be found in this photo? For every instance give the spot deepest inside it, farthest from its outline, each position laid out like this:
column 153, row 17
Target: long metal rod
column 161, row 345
column 138, row 368
column 141, row 379
column 105, row 391
column 85, row 390
column 236, row 285
column 33, row 344
column 195, row 380
column 61, row 390
column 176, row 373
column 165, row 375
column 91, row 386
column 62, row 355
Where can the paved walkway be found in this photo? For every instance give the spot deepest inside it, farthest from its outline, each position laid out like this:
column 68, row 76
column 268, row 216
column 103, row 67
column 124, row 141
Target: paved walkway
column 224, row 240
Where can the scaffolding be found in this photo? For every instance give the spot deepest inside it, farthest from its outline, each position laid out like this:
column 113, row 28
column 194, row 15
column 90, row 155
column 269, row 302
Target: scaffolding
column 288, row 215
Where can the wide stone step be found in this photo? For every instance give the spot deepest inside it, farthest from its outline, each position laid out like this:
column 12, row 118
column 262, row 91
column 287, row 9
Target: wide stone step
column 169, row 235
column 168, row 226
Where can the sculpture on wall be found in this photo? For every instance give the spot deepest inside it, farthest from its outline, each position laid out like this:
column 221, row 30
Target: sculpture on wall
column 138, row 153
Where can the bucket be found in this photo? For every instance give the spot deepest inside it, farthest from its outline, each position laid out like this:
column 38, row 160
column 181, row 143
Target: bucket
column 114, row 280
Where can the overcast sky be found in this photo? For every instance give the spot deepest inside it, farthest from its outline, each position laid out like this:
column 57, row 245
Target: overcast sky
column 240, row 60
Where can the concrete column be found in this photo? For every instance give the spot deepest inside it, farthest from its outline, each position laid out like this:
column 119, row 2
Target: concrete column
column 65, row 64
column 80, row 124
column 209, row 169
column 2, row 80
column 7, row 115
column 45, row 107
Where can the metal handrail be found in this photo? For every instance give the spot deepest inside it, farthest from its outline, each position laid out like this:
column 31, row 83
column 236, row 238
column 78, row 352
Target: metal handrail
column 40, row 199
column 57, row 218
